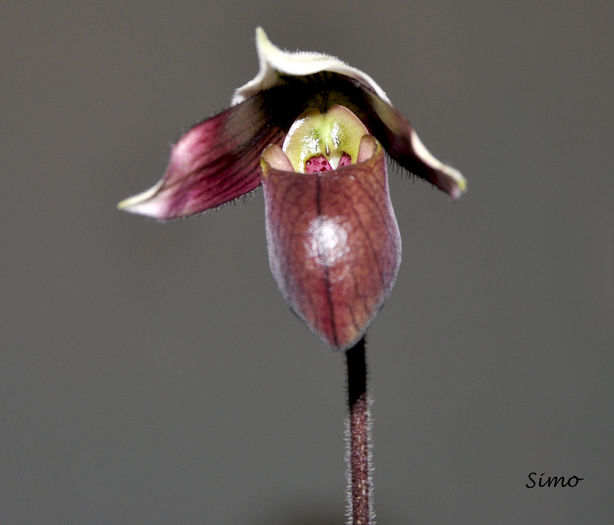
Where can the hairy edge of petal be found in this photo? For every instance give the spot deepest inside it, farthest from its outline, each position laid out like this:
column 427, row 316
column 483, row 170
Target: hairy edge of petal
column 274, row 62
column 333, row 241
column 398, row 138
column 459, row 185
column 215, row 162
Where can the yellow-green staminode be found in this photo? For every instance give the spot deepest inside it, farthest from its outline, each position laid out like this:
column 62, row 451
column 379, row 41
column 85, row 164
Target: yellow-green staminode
column 330, row 134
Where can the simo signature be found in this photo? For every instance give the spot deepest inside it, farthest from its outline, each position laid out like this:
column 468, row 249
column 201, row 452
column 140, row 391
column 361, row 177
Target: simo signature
column 551, row 481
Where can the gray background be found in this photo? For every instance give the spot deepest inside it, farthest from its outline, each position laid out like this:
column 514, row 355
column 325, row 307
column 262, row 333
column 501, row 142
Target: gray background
column 152, row 374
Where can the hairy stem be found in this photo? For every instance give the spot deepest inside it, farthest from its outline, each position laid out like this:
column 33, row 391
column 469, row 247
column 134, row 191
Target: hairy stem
column 359, row 439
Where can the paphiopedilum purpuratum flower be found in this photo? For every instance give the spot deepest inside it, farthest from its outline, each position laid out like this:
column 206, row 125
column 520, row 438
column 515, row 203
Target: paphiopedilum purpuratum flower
column 312, row 131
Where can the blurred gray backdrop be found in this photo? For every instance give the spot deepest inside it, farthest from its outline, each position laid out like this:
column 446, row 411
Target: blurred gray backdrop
column 152, row 373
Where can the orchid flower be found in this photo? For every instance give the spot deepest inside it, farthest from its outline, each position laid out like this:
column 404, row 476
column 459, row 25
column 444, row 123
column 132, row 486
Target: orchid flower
column 312, row 131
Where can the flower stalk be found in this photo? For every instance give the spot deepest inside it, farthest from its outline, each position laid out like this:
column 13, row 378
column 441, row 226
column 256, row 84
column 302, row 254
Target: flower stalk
column 360, row 510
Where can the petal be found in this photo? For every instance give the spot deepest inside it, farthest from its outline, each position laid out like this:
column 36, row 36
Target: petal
column 333, row 241
column 403, row 144
column 213, row 163
column 275, row 62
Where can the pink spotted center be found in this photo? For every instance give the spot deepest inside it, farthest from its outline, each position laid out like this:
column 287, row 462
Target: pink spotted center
column 320, row 163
